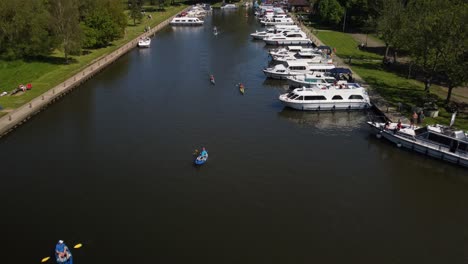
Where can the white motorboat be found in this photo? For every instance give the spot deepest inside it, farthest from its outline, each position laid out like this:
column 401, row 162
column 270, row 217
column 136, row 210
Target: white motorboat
column 291, row 68
column 270, row 32
column 323, row 98
column 229, row 6
column 289, row 38
column 311, row 57
column 285, row 52
column 308, row 80
column 186, row 21
column 144, row 42
column 277, row 21
column 437, row 141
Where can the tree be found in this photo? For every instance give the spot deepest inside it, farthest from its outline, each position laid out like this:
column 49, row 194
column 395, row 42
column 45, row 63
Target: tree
column 24, row 29
column 65, row 25
column 454, row 58
column 391, row 24
column 330, row 11
column 104, row 23
column 135, row 10
column 424, row 35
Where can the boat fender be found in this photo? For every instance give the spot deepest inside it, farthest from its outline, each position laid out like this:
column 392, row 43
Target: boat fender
column 378, row 135
column 333, row 108
column 398, row 144
column 318, row 108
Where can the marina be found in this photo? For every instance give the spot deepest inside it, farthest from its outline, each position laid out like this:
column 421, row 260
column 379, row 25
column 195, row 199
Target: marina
column 115, row 158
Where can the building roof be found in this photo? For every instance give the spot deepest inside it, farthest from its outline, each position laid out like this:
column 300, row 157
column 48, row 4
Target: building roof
column 298, row 3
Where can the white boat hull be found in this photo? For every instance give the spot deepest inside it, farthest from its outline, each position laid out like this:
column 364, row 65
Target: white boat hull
column 327, row 106
column 288, row 42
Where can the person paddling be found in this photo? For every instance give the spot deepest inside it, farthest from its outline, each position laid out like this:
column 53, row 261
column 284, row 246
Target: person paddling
column 62, row 253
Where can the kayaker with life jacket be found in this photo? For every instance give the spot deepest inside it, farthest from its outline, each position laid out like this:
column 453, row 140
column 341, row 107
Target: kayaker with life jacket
column 62, row 253
column 204, row 153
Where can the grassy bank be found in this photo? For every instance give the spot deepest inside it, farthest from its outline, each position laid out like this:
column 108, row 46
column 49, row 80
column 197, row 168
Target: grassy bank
column 51, row 71
column 393, row 87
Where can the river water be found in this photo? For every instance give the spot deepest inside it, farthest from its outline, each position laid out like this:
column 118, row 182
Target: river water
column 110, row 166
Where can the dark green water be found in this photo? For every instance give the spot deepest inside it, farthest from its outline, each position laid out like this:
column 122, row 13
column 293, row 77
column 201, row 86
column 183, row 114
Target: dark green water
column 110, row 166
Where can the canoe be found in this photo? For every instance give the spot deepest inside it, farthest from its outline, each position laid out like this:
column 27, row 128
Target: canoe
column 202, row 158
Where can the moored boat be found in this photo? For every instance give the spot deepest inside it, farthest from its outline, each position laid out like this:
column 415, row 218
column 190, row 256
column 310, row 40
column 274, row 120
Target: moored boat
column 186, row 21
column 290, row 68
column 327, row 98
column 144, row 42
column 436, row 141
column 289, row 38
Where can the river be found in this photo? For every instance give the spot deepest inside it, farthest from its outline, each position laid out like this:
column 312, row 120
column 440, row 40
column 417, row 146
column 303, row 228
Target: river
column 110, row 166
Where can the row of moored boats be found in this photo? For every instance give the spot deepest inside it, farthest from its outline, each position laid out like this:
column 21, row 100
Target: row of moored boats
column 316, row 84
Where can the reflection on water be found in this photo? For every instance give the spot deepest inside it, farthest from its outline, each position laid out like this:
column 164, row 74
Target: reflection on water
column 325, row 121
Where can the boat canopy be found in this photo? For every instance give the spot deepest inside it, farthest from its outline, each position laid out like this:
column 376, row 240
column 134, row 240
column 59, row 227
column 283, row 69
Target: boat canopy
column 341, row 71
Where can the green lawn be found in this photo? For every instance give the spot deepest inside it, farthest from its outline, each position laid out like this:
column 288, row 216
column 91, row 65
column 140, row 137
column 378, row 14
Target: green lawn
column 345, row 45
column 394, row 88
column 45, row 74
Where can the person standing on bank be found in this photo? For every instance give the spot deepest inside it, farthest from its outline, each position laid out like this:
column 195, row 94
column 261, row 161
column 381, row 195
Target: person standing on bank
column 414, row 119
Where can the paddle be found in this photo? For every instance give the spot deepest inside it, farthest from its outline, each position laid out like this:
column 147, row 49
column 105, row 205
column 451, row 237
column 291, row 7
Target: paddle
column 79, row 245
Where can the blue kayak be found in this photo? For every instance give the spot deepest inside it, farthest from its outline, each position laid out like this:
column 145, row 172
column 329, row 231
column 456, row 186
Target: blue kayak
column 202, row 158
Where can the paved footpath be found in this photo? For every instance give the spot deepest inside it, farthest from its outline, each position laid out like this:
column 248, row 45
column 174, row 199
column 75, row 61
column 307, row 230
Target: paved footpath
column 23, row 113
column 388, row 110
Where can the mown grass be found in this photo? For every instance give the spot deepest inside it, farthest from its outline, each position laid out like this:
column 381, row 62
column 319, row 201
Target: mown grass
column 48, row 72
column 393, row 87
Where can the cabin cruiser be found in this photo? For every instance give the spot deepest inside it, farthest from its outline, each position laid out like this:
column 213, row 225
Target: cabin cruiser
column 306, row 56
column 327, row 98
column 277, row 20
column 289, row 38
column 291, row 68
column 186, row 21
column 229, row 6
column 315, row 78
column 437, row 141
column 270, row 32
column 144, row 42
column 287, row 51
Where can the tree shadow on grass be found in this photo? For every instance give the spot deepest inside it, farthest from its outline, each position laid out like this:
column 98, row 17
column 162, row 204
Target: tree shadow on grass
column 52, row 60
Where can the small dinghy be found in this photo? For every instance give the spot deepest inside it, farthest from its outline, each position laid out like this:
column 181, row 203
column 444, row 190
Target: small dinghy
column 241, row 88
column 212, row 80
column 202, row 158
column 215, row 31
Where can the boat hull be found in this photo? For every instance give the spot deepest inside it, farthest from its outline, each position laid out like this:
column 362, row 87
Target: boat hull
column 288, row 42
column 431, row 150
column 327, row 106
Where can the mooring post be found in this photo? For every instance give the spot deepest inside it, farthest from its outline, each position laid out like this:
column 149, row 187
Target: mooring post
column 64, row 84
column 9, row 118
column 30, row 105
column 74, row 79
column 42, row 98
column 53, row 91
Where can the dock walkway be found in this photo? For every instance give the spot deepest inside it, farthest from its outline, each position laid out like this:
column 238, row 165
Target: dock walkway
column 24, row 112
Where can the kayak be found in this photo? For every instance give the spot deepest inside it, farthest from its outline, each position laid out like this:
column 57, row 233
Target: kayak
column 202, row 158
column 212, row 80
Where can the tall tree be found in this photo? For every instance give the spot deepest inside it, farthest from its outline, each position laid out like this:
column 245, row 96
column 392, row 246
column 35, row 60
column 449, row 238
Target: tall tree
column 391, row 24
column 454, row 58
column 65, row 24
column 24, row 29
column 135, row 10
column 104, row 23
column 330, row 11
column 424, row 35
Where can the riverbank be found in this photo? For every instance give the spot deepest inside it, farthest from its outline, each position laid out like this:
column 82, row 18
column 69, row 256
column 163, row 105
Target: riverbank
column 48, row 72
column 394, row 95
column 56, row 82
